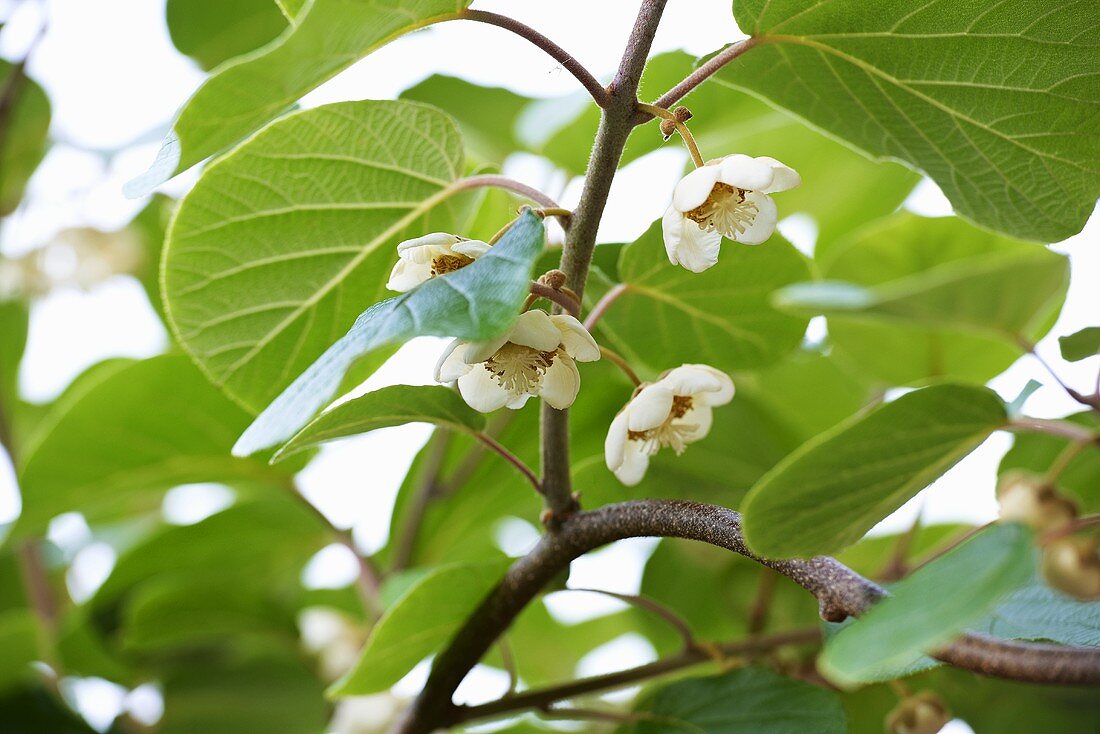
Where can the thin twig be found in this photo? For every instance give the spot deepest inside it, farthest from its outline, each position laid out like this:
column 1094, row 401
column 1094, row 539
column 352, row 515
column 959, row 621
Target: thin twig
column 898, row 565
column 509, row 662
column 617, row 359
column 503, row 182
column 473, row 458
column 603, row 304
column 652, row 606
column 685, row 133
column 1063, row 429
column 698, row 76
column 758, row 614
column 563, row 57
column 574, row 713
column 511, row 458
column 540, row 290
column 1081, row 523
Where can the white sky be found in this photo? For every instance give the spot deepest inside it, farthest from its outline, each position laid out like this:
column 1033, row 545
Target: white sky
column 115, row 81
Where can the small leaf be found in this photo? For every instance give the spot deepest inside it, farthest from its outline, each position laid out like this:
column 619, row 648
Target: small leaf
column 1038, row 612
column 213, row 31
column 837, row 486
column 326, row 38
column 1081, row 344
column 24, row 139
column 722, row 317
column 478, row 302
column 418, row 624
column 746, row 701
column 389, row 406
column 931, row 606
column 1014, row 146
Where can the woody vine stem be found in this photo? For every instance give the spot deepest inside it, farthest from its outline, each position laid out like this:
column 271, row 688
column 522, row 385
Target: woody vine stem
column 570, row 533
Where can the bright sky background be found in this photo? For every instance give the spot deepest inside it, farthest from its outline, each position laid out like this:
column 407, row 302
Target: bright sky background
column 115, row 81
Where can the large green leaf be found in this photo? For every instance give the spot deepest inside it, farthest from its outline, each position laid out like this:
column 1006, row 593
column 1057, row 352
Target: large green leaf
column 1037, row 452
column 746, row 701
column 281, row 244
column 940, row 298
column 418, row 624
column 1015, row 146
column 212, row 31
column 112, row 447
column 931, row 606
column 837, row 486
column 477, row 302
column 327, row 36
column 723, row 317
column 23, row 138
column 734, row 122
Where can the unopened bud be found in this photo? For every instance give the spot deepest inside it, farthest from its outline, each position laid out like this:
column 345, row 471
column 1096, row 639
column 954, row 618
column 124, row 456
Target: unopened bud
column 1026, row 498
column 682, row 114
column 1072, row 565
column 924, row 713
column 553, row 279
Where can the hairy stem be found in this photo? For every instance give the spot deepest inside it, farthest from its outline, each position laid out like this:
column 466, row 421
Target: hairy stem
column 563, row 300
column 503, row 182
column 698, row 76
column 603, row 304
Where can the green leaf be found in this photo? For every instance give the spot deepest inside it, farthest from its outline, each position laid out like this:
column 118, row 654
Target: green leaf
column 931, row 606
column 1080, row 344
column 282, row 243
column 478, row 302
column 1037, row 452
column 24, row 139
column 327, row 36
column 1038, row 612
column 112, row 447
column 418, row 624
column 14, row 317
column 722, row 317
column 389, row 406
column 746, row 701
column 939, row 298
column 1015, row 146
column 837, row 486
column 18, row 648
column 212, row 31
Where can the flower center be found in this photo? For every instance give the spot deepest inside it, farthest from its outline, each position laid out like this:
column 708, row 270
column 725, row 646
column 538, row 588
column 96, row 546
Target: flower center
column 519, row 369
column 725, row 210
column 670, row 433
column 448, row 263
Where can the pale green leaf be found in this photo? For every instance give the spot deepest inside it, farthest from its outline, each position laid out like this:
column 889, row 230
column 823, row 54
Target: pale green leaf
column 837, row 486
column 478, row 302
column 389, row 406
column 931, row 606
column 996, row 102
column 281, row 244
column 722, row 317
column 1080, row 344
column 746, row 701
column 327, row 36
column 24, row 138
column 418, row 624
column 212, row 31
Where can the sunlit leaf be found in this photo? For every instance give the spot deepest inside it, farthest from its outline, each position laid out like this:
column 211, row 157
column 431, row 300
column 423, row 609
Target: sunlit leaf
column 212, row 31
column 23, row 139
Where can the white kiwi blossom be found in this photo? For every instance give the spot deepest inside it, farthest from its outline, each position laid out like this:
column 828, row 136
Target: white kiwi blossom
column 536, row 357
column 673, row 411
column 433, row 254
column 725, row 197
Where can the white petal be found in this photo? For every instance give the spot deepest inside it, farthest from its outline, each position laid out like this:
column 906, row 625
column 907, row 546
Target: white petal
column 517, row 403
column 481, row 351
column 634, row 464
column 689, row 379
column 407, row 274
column 614, row 446
column 578, row 343
column 783, row 177
column 426, row 246
column 745, row 172
column 700, row 416
column 472, row 249
column 687, row 244
column 561, row 383
column 695, row 187
column 481, row 391
column 763, row 225
column 535, row 329
column 649, row 408
column 452, row 364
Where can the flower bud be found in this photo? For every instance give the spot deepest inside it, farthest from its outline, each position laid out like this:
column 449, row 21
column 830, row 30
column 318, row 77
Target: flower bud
column 1072, row 565
column 923, row 713
column 553, row 279
column 1026, row 498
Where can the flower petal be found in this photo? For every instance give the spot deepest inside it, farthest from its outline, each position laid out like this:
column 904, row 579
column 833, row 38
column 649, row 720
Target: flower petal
column 407, row 274
column 452, row 364
column 694, row 188
column 710, row 386
column 746, row 173
column 481, row 391
column 635, row 462
column 578, row 343
column 688, row 244
column 535, row 329
column 561, row 383
column 649, row 408
column 481, row 351
column 472, row 249
column 700, row 416
column 763, row 225
column 614, row 445
column 430, row 242
column 783, row 176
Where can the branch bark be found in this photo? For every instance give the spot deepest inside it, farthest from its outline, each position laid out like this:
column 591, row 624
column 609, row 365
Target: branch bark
column 840, row 593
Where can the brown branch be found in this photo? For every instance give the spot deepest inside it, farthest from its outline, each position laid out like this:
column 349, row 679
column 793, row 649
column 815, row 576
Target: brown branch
column 697, row 77
column 563, row 57
column 615, row 126
column 840, row 593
